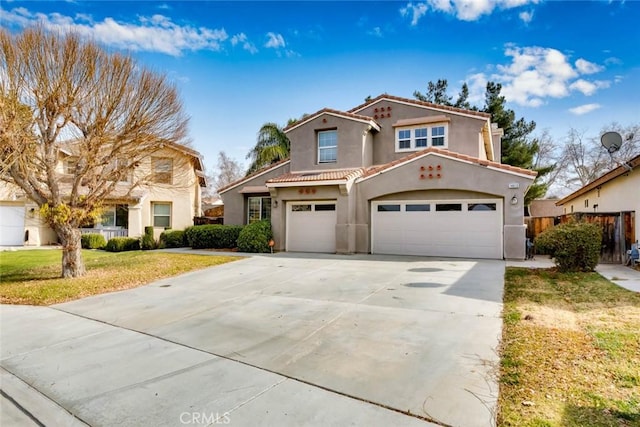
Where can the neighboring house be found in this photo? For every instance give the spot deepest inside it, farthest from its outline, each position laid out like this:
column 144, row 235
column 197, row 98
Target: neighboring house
column 169, row 198
column 542, row 214
column 614, row 199
column 391, row 176
column 544, row 208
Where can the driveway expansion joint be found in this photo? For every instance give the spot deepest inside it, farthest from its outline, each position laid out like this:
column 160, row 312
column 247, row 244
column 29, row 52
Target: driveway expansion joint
column 285, row 376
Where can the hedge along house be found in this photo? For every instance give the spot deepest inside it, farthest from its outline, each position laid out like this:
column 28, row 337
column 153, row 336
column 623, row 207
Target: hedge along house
column 162, row 191
column 391, row 176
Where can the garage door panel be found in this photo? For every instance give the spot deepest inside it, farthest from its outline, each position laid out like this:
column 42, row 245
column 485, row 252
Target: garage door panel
column 311, row 229
column 454, row 228
column 11, row 225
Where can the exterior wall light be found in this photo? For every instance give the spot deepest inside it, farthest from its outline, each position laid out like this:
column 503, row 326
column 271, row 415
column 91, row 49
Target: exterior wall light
column 514, row 200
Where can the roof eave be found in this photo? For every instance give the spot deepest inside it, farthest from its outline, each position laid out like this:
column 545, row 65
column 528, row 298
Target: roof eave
column 607, row 177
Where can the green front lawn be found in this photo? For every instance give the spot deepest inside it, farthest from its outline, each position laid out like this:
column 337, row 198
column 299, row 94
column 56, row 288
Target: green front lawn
column 570, row 351
column 33, row 276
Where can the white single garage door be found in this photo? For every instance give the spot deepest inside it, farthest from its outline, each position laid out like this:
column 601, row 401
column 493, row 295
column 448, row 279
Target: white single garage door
column 450, row 228
column 311, row 226
column 11, row 225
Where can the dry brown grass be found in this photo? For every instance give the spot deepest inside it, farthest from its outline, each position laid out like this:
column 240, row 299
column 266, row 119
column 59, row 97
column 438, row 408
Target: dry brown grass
column 570, row 351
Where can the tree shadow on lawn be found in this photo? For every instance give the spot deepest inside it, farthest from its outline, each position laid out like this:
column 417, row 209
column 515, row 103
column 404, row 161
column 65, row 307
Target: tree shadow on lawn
column 600, row 416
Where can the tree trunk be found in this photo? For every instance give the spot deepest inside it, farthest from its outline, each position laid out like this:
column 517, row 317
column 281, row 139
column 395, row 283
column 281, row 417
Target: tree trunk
column 72, row 263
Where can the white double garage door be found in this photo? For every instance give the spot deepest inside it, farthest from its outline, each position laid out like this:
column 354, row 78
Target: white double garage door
column 450, row 228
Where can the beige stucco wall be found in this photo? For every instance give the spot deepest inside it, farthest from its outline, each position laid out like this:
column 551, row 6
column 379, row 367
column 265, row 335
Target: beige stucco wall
column 354, row 144
column 458, row 180
column 345, row 243
column 235, row 203
column 184, row 195
column 39, row 232
column 463, row 131
column 621, row 194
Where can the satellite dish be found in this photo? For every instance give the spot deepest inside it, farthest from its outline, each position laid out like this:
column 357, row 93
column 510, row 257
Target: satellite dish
column 612, row 141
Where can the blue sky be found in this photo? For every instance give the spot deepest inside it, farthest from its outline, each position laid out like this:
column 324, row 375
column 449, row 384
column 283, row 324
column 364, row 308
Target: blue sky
column 240, row 64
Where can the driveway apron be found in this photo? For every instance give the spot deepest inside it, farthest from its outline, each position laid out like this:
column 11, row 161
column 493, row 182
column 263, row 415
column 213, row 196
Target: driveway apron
column 285, row 339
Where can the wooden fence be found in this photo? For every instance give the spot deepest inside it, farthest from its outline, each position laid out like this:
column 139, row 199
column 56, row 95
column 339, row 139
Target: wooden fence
column 618, row 231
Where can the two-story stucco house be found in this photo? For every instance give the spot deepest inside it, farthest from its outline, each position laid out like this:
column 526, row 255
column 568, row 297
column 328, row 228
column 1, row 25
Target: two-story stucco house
column 390, row 176
column 163, row 191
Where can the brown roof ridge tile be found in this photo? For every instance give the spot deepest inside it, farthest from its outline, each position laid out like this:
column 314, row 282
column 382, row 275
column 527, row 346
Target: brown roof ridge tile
column 372, row 170
column 325, row 175
column 330, row 111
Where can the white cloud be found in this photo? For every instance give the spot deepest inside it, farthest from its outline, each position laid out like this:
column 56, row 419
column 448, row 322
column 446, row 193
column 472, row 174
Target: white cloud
column 477, row 84
column 244, row 41
column 584, row 109
column 589, row 88
column 157, row 33
column 275, row 41
column 375, row 31
column 416, row 11
column 613, row 61
column 526, row 17
column 536, row 74
column 586, row 67
column 464, row 10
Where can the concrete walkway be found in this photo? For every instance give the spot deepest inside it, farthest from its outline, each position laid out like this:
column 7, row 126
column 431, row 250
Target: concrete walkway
column 283, row 340
column 621, row 275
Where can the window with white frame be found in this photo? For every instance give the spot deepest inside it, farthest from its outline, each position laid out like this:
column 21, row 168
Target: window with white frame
column 162, row 170
column 258, row 208
column 161, row 214
column 420, row 137
column 437, row 136
column 70, row 165
column 328, row 146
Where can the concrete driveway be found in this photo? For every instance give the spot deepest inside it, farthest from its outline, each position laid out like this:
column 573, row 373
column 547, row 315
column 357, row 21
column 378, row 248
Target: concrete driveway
column 282, row 339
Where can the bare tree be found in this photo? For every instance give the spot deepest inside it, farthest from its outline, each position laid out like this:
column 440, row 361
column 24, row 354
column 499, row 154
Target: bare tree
column 105, row 109
column 583, row 159
column 227, row 171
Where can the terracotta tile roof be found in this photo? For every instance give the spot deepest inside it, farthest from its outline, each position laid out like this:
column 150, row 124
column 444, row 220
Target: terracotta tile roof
column 609, row 176
column 420, row 103
column 375, row 169
column 253, row 175
column 334, row 175
column 331, row 111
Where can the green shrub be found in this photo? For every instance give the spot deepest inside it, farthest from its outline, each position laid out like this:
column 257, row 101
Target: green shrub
column 93, row 241
column 574, row 246
column 172, row 239
column 121, row 244
column 255, row 237
column 213, row 236
column 147, row 242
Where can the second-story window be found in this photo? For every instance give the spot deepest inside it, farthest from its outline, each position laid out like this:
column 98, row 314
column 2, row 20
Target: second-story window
column 420, row 137
column 328, row 146
column 162, row 170
column 70, row 165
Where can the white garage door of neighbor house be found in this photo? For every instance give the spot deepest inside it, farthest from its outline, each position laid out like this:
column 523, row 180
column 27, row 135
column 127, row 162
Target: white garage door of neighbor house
column 11, row 225
column 311, row 226
column 449, row 228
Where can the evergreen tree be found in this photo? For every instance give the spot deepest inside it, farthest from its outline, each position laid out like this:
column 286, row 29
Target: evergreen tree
column 518, row 148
